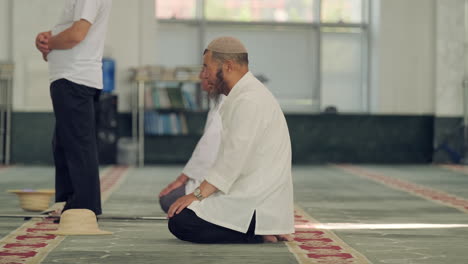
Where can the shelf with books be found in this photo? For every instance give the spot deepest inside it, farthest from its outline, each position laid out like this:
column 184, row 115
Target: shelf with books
column 162, row 104
column 165, row 123
column 173, row 95
column 165, row 105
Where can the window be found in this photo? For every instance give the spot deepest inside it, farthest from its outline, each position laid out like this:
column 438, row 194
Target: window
column 260, row 10
column 341, row 11
column 312, row 52
column 176, row 9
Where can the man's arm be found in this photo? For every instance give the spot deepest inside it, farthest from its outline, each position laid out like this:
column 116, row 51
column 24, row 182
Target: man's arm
column 71, row 36
column 206, row 189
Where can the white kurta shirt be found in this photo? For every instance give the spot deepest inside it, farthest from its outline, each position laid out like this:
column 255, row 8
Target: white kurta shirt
column 206, row 150
column 253, row 168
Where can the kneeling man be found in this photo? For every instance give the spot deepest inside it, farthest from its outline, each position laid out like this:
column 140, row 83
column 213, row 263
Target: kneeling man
column 247, row 195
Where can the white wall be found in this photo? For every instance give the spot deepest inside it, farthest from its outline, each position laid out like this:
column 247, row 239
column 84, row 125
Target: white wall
column 30, row 90
column 404, row 76
column 130, row 41
column 4, row 30
column 450, row 57
column 374, row 59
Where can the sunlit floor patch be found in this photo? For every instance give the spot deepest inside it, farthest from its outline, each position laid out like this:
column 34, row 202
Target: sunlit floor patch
column 350, row 226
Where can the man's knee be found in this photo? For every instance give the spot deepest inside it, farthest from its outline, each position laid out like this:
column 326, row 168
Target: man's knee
column 178, row 226
column 167, row 200
column 173, row 226
column 165, row 203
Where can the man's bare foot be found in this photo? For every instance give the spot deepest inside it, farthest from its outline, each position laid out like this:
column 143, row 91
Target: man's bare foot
column 284, row 237
column 56, row 213
column 276, row 238
column 56, row 209
column 270, row 239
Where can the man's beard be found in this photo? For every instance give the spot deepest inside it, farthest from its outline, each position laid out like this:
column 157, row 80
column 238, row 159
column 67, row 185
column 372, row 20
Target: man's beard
column 219, row 87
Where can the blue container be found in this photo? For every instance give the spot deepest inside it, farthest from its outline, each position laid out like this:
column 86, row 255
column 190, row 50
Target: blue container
column 108, row 74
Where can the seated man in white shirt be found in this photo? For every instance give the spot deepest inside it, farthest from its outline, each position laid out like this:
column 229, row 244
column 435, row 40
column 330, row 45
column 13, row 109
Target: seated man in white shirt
column 247, row 195
column 203, row 156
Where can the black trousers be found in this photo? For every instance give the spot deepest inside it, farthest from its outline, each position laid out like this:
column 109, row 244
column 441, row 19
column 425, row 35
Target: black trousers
column 189, row 227
column 74, row 145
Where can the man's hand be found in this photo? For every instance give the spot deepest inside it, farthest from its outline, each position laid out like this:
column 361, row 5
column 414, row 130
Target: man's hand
column 181, row 180
column 42, row 41
column 44, row 56
column 180, row 204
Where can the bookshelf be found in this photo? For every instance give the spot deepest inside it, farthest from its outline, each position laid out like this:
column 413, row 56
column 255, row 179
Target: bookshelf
column 163, row 99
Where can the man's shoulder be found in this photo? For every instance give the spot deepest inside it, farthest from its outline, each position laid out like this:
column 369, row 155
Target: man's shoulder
column 257, row 99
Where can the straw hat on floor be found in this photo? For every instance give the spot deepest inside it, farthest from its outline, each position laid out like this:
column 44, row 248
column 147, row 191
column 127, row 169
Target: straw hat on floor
column 34, row 200
column 78, row 222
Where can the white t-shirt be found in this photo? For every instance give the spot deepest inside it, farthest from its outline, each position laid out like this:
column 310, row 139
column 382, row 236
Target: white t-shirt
column 83, row 63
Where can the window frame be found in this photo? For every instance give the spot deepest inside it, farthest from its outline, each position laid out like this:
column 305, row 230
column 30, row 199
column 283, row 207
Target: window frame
column 317, row 26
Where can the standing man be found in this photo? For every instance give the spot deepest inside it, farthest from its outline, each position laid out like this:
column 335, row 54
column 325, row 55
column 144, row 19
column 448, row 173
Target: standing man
column 74, row 50
column 247, row 195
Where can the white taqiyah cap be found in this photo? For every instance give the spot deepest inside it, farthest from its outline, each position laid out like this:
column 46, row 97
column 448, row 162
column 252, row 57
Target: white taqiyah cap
column 226, row 45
